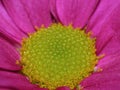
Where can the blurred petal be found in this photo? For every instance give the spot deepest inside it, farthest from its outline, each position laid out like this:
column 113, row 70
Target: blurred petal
column 5, row 89
column 105, row 25
column 19, row 15
column 7, row 26
column 76, row 12
column 108, row 78
column 16, row 82
column 8, row 56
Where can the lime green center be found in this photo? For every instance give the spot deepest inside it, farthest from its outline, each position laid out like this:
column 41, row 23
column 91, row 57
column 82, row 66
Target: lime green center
column 58, row 56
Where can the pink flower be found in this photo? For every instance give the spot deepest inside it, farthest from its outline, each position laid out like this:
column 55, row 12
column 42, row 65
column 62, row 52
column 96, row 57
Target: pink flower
column 19, row 17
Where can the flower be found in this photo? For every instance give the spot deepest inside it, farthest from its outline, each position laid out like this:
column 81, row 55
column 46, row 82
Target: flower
column 20, row 17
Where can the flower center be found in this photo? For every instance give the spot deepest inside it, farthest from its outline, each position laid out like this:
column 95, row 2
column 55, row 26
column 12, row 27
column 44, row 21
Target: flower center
column 58, row 56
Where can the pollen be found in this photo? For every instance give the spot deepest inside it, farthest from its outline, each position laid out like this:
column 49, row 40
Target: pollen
column 58, row 56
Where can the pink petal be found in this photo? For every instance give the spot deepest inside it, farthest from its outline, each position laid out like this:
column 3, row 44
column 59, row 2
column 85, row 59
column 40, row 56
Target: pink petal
column 105, row 26
column 5, row 89
column 63, row 88
column 108, row 78
column 39, row 11
column 110, row 62
column 53, row 9
column 102, row 81
column 114, row 44
column 29, row 13
column 19, row 15
column 15, row 81
column 8, row 56
column 76, row 12
column 7, row 26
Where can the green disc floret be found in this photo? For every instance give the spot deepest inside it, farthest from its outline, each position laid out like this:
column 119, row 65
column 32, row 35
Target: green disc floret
column 58, row 56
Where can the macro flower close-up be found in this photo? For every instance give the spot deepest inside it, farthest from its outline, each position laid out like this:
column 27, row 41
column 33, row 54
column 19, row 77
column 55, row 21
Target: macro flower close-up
column 59, row 44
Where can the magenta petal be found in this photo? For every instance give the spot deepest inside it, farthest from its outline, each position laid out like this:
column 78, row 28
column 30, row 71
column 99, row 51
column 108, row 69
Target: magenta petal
column 8, row 56
column 7, row 26
column 76, row 12
column 102, row 81
column 19, row 15
column 39, row 11
column 16, row 82
column 108, row 78
column 110, row 62
column 53, row 9
column 105, row 25
column 63, row 88
column 108, row 45
column 113, row 44
column 5, row 89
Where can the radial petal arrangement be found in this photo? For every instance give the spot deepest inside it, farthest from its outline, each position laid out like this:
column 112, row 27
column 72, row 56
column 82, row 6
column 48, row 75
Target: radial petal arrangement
column 59, row 44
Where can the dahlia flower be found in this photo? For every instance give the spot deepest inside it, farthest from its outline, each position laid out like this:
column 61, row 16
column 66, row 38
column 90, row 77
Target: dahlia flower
column 59, row 44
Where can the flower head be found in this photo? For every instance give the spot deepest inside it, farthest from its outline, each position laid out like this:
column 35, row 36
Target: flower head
column 59, row 45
